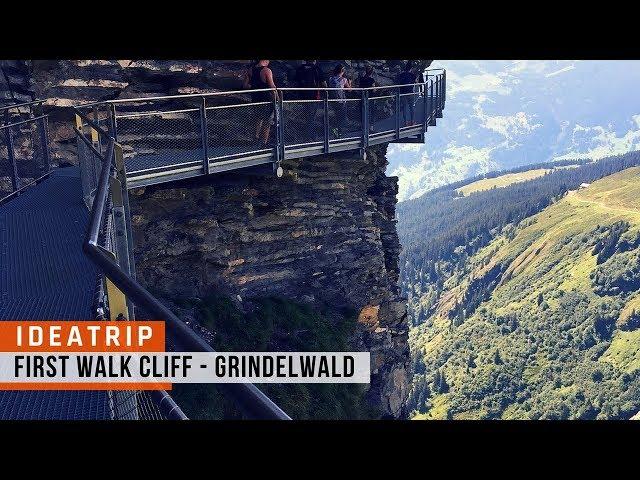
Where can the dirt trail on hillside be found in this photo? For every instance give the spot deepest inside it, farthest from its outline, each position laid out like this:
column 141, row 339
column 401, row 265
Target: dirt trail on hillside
column 632, row 211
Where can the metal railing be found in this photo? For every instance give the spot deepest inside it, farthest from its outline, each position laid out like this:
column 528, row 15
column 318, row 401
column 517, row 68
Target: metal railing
column 24, row 153
column 20, row 111
column 172, row 137
column 108, row 246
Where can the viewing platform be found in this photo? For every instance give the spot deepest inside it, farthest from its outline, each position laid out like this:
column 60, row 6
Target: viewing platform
column 175, row 137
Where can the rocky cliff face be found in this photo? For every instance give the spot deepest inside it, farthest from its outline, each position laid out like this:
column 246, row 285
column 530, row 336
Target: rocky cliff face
column 325, row 232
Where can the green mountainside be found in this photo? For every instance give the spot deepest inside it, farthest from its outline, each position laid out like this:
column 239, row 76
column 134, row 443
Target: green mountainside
column 539, row 317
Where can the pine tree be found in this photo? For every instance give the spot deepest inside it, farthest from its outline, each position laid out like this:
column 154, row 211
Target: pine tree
column 496, row 358
column 471, row 361
column 444, row 386
column 436, row 381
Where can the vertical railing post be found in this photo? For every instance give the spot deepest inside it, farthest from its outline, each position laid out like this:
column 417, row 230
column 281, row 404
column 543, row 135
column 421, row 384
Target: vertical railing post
column 440, row 97
column 444, row 87
column 397, row 113
column 276, row 136
column 114, row 122
column 44, row 141
column 325, row 102
column 204, row 135
column 432, row 106
column 365, row 118
column 12, row 159
column 125, row 404
column 279, row 95
column 96, row 119
column 437, row 95
column 425, row 108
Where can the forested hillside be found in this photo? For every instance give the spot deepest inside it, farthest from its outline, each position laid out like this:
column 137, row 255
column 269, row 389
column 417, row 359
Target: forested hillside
column 525, row 298
column 442, row 229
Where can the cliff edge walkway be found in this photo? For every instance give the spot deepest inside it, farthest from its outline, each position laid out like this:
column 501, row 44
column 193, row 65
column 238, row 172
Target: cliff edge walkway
column 66, row 251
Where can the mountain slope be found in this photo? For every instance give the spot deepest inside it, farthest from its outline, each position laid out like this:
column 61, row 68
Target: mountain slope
column 544, row 321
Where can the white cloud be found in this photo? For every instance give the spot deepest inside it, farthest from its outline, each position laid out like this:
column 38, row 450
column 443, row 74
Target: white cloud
column 405, row 147
column 533, row 66
column 568, row 68
column 476, row 83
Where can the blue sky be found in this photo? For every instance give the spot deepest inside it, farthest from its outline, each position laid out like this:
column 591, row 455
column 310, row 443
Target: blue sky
column 501, row 114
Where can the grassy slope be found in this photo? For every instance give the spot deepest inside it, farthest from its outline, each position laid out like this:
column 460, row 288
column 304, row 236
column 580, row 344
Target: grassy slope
column 549, row 255
column 502, row 180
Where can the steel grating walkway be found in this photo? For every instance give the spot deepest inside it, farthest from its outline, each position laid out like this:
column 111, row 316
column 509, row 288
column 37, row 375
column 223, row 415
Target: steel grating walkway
column 44, row 275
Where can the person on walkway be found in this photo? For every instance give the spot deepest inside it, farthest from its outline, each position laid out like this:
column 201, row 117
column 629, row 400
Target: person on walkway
column 259, row 76
column 407, row 96
column 421, row 81
column 339, row 83
column 309, row 76
column 367, row 81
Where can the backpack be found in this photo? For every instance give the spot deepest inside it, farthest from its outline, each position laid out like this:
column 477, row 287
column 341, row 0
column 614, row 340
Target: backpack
column 336, row 82
column 307, row 77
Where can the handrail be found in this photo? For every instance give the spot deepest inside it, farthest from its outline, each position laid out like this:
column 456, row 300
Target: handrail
column 235, row 92
column 91, row 123
column 358, row 89
column 19, row 105
column 41, row 169
column 251, row 399
column 342, row 126
column 28, row 120
column 171, row 97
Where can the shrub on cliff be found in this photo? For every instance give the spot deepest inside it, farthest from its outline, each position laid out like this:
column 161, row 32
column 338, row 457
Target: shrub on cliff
column 276, row 324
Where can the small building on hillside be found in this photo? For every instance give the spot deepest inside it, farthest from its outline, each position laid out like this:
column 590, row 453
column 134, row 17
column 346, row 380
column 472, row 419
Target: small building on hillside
column 584, row 185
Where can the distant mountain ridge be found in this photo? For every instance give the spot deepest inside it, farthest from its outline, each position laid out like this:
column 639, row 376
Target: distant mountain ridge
column 502, row 114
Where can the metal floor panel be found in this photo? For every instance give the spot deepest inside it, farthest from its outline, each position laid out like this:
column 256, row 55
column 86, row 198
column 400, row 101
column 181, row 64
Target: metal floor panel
column 45, row 276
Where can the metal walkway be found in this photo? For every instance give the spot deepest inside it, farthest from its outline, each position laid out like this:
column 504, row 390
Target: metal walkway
column 45, row 275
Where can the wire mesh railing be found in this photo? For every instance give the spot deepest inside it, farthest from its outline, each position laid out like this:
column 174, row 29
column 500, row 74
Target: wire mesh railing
column 92, row 150
column 108, row 245
column 24, row 154
column 20, row 111
column 172, row 137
